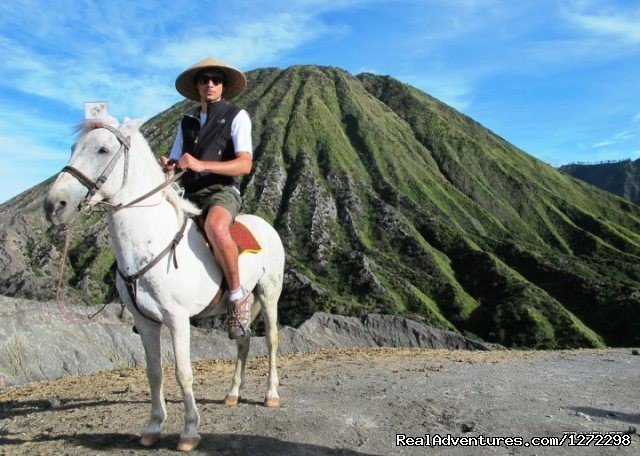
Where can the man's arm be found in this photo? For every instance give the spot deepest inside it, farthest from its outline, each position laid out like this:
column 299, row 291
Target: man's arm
column 239, row 166
column 175, row 153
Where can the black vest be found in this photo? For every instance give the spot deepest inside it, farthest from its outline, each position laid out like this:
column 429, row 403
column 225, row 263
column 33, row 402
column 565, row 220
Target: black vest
column 212, row 142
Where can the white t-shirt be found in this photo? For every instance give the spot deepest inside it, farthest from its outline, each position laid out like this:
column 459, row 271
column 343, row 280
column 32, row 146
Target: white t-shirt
column 240, row 133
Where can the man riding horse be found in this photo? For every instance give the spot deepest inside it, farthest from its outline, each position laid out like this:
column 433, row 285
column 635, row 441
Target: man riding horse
column 213, row 143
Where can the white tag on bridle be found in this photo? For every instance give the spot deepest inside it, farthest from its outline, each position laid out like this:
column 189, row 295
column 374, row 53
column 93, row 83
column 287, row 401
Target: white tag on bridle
column 96, row 109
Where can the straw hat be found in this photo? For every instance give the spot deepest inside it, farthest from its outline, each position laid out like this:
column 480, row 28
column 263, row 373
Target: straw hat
column 234, row 84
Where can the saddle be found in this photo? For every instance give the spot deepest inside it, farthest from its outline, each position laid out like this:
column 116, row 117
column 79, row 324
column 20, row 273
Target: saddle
column 244, row 239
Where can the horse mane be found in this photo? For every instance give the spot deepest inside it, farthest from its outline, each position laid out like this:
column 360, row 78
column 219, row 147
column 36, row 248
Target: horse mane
column 88, row 125
column 181, row 205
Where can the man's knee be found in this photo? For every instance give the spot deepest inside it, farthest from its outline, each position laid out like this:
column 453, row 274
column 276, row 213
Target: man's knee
column 217, row 229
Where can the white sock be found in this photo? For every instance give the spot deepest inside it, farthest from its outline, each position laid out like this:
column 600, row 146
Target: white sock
column 237, row 294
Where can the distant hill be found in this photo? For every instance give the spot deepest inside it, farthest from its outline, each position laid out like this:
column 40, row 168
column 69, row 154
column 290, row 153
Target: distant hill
column 620, row 178
column 390, row 201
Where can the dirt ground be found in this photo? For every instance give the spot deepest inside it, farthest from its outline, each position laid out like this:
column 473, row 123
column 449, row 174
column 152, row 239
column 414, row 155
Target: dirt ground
column 347, row 402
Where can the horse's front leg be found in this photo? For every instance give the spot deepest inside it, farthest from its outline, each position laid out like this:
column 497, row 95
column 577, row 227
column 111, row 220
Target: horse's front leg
column 181, row 337
column 149, row 332
column 150, row 335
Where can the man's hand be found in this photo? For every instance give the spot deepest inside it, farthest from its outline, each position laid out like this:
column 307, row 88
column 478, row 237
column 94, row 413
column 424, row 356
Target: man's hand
column 167, row 165
column 188, row 161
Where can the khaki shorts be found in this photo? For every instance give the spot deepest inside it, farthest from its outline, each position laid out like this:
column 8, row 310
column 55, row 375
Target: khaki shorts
column 217, row 195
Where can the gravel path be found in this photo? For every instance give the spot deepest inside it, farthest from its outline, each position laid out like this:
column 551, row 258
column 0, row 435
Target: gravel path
column 347, row 402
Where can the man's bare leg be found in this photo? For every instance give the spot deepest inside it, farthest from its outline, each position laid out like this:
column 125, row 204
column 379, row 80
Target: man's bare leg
column 217, row 228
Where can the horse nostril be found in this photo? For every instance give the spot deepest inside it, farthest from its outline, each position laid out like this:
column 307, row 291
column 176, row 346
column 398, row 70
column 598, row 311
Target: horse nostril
column 63, row 204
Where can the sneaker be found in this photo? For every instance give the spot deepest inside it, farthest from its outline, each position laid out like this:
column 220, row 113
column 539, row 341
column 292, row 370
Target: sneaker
column 239, row 316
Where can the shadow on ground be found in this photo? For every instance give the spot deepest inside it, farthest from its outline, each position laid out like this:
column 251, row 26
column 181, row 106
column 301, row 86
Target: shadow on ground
column 609, row 414
column 26, row 407
column 211, row 444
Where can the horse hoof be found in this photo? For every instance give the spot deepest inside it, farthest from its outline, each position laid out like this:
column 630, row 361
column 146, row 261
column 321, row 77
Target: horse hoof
column 149, row 439
column 188, row 443
column 231, row 400
column 272, row 402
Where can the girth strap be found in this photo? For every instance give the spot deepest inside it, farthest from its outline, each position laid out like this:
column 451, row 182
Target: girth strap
column 132, row 280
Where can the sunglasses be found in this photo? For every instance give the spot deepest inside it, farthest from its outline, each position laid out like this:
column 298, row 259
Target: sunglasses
column 205, row 78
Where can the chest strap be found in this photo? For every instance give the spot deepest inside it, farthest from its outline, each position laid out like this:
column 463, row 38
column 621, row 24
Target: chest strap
column 132, row 280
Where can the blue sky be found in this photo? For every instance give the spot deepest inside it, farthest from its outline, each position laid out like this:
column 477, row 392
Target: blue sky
column 557, row 78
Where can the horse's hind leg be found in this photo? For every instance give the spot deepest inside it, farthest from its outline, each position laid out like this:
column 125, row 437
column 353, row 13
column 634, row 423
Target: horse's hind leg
column 150, row 335
column 237, row 382
column 268, row 297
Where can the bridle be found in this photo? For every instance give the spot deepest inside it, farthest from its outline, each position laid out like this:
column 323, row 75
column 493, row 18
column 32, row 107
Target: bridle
column 94, row 186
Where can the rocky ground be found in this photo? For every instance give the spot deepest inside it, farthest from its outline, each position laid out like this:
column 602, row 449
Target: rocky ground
column 47, row 340
column 346, row 402
column 71, row 387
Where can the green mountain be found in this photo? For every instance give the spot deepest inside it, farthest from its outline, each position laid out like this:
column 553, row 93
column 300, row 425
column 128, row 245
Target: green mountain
column 621, row 178
column 390, row 201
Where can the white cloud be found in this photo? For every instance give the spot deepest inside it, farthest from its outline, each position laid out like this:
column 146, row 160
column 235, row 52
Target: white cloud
column 32, row 147
column 104, row 53
column 245, row 45
column 606, row 28
column 588, row 32
column 26, row 163
column 26, row 155
column 128, row 54
column 624, row 26
column 618, row 138
column 452, row 89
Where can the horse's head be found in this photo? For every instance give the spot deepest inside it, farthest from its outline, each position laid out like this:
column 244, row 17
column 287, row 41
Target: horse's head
column 97, row 169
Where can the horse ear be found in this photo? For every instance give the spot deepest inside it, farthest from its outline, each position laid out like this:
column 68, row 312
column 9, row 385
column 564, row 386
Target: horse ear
column 133, row 124
column 108, row 120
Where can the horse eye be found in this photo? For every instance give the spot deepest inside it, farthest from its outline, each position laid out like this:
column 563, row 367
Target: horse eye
column 103, row 150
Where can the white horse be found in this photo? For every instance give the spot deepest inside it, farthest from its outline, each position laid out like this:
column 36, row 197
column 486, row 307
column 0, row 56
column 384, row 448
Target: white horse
column 112, row 166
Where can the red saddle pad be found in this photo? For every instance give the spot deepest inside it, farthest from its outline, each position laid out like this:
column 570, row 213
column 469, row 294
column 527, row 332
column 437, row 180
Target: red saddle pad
column 244, row 238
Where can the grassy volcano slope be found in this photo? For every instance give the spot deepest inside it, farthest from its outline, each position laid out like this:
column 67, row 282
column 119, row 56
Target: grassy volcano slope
column 577, row 244
column 388, row 200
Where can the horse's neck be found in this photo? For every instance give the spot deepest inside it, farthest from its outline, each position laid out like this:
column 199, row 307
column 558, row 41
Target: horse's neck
column 140, row 232
column 143, row 175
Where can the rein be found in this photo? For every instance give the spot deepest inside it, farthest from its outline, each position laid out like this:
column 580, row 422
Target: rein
column 166, row 183
column 93, row 187
column 67, row 238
